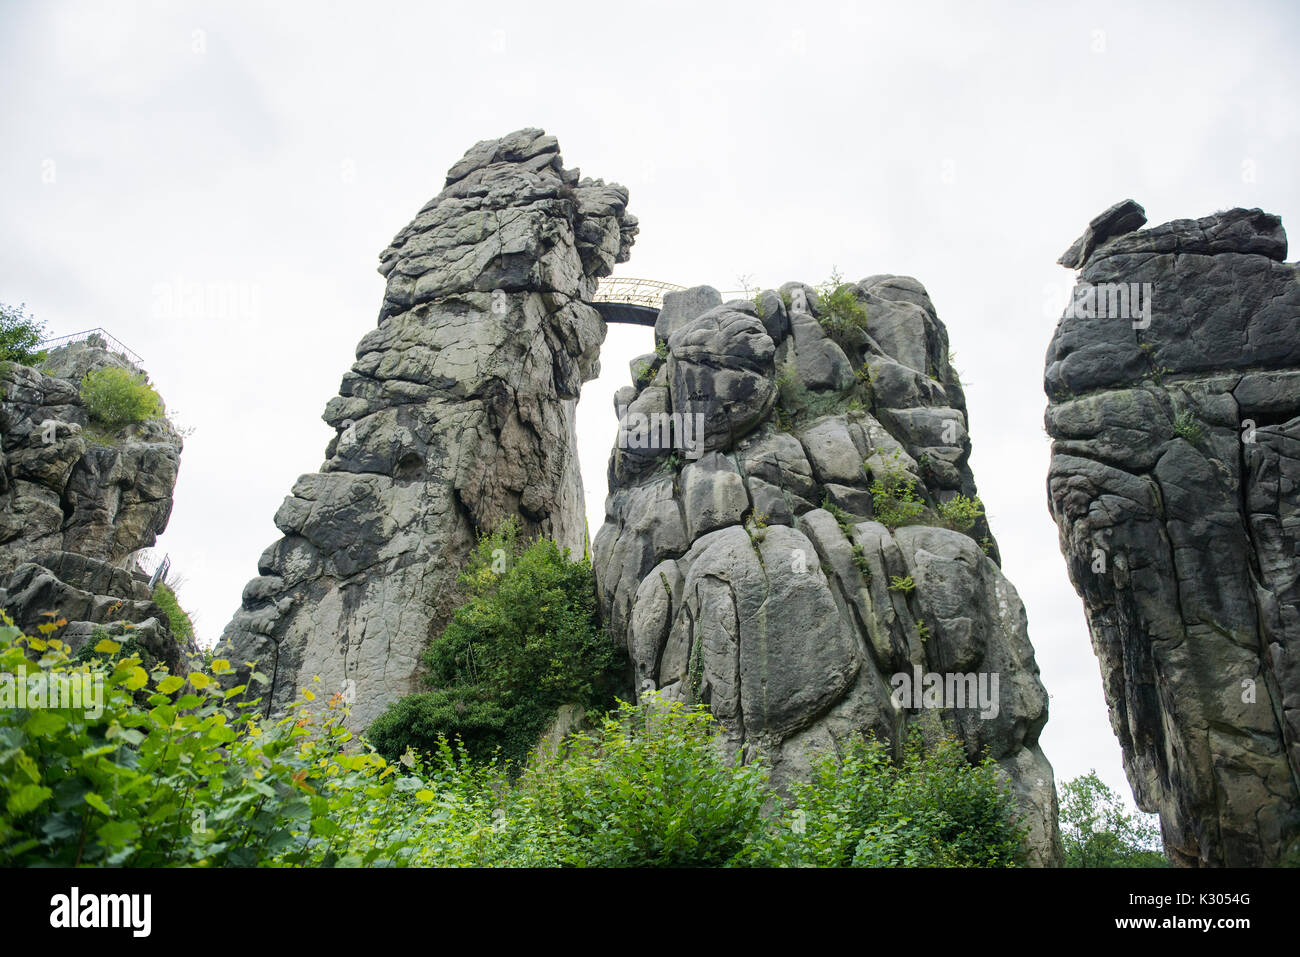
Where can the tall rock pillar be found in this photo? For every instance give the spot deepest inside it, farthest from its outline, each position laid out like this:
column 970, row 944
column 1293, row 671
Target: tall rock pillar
column 458, row 413
column 1174, row 388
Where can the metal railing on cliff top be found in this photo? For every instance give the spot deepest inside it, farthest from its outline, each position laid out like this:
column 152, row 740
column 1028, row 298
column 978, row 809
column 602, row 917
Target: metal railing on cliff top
column 112, row 343
column 648, row 292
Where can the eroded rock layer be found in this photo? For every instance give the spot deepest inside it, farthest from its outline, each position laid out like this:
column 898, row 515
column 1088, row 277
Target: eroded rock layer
column 1174, row 388
column 458, row 413
column 744, row 561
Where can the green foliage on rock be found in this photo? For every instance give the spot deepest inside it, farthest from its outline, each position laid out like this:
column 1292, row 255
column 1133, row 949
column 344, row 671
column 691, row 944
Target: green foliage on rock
column 961, row 513
column 934, row 809
column 839, row 306
column 165, row 598
column 526, row 640
column 1186, row 426
column 1097, row 831
column 20, row 335
column 894, row 500
column 116, row 397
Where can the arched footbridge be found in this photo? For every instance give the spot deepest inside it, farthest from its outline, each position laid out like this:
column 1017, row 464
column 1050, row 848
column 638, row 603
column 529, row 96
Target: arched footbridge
column 638, row 301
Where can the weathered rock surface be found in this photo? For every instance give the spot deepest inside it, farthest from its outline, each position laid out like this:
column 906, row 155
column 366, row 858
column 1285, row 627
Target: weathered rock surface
column 1175, row 483
column 457, row 414
column 741, row 562
column 77, row 502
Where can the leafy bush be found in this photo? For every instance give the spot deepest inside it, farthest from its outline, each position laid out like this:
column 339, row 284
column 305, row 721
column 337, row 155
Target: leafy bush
column 652, row 788
column 1096, row 830
column 961, row 513
column 526, row 641
column 182, row 778
column 181, row 625
column 935, row 809
column 116, row 397
column 837, row 301
column 895, row 502
column 20, row 334
column 175, row 770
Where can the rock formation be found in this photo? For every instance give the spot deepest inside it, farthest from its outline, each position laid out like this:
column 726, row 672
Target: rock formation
column 78, row 501
column 458, row 413
column 1174, row 388
column 745, row 561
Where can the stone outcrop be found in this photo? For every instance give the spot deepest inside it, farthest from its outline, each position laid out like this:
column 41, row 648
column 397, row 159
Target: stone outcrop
column 457, row 414
column 78, row 501
column 744, row 561
column 1174, row 388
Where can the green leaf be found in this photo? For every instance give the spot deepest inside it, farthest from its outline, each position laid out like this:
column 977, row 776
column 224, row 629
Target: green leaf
column 98, row 803
column 171, row 683
column 27, row 798
column 44, row 724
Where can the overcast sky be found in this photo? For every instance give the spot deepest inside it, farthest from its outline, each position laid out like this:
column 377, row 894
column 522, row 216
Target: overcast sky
column 266, row 153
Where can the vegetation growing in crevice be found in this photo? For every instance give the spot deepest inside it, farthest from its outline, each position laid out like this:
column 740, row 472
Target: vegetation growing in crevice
column 841, row 313
column 961, row 513
column 526, row 640
column 894, row 500
column 116, row 397
column 1186, row 426
column 182, row 627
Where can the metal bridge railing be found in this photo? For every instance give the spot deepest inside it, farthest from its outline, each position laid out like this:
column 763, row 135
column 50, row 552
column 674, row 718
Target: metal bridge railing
column 649, row 292
column 113, row 343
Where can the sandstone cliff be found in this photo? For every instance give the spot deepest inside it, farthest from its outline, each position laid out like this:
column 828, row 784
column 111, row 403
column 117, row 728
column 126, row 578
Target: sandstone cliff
column 458, row 413
column 745, row 562
column 1174, row 387
column 77, row 501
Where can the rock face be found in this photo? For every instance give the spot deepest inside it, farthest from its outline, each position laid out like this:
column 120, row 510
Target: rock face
column 78, row 501
column 457, row 414
column 744, row 561
column 1174, row 388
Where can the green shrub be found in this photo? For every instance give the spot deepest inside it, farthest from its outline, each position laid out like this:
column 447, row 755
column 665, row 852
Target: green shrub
column 116, row 397
column 934, row 809
column 895, row 502
column 1186, row 426
column 652, row 788
column 175, row 770
column 526, row 641
column 960, row 513
column 901, row 583
column 20, row 334
column 182, row 778
column 181, row 625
